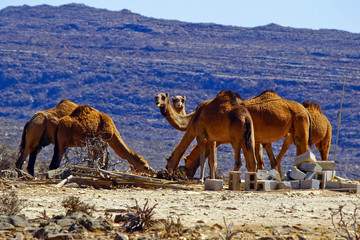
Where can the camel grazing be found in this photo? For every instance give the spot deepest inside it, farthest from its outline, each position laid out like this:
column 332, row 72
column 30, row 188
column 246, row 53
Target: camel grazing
column 320, row 132
column 39, row 132
column 85, row 121
column 221, row 119
column 273, row 118
column 179, row 104
column 177, row 120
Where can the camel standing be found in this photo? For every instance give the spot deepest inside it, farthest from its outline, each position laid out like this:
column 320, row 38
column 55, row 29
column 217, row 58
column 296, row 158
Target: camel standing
column 179, row 104
column 321, row 132
column 39, row 132
column 85, row 121
column 222, row 119
column 273, row 118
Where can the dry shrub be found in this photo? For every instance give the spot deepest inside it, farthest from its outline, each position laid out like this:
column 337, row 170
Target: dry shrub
column 173, row 175
column 171, row 227
column 346, row 223
column 10, row 204
column 7, row 157
column 140, row 220
column 74, row 204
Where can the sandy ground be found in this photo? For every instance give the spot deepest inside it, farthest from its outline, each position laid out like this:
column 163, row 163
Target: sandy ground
column 296, row 213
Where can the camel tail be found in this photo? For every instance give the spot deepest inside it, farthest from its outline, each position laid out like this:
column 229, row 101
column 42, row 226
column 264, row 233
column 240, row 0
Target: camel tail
column 248, row 133
column 310, row 138
column 23, row 138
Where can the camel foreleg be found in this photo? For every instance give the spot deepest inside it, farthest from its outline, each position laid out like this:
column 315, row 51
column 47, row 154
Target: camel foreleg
column 212, row 159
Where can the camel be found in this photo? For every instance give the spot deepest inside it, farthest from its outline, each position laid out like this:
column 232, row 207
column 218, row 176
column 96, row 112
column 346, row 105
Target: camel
column 179, row 104
column 85, row 121
column 320, row 132
column 177, row 120
column 273, row 118
column 224, row 120
column 39, row 132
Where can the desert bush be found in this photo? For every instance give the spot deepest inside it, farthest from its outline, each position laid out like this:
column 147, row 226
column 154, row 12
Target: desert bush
column 141, row 219
column 170, row 174
column 172, row 227
column 7, row 156
column 10, row 204
column 229, row 234
column 74, row 204
column 346, row 223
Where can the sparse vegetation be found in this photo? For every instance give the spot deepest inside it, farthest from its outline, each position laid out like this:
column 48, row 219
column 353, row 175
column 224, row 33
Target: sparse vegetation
column 171, row 227
column 7, row 157
column 74, row 204
column 346, row 223
column 141, row 219
column 10, row 204
column 229, row 234
column 171, row 174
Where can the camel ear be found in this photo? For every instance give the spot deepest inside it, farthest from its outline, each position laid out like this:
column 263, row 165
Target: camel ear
column 184, row 98
column 172, row 98
column 167, row 95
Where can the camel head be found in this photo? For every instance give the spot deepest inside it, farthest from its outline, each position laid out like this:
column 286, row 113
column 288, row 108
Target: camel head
column 160, row 99
column 178, row 101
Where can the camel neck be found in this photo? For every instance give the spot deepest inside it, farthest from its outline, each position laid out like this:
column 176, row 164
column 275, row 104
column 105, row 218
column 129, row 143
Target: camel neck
column 178, row 121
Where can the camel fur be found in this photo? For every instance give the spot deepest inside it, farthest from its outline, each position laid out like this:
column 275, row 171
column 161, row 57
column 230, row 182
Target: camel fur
column 85, row 121
column 221, row 119
column 39, row 132
column 321, row 132
column 273, row 118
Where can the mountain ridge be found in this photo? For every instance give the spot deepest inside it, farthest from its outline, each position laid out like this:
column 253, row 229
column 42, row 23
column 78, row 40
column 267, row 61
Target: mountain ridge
column 116, row 61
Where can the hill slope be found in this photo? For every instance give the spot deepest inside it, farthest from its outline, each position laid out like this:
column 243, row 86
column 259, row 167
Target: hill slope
column 117, row 61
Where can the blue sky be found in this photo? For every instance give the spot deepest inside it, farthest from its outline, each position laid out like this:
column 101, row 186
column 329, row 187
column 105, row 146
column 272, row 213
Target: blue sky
column 314, row 14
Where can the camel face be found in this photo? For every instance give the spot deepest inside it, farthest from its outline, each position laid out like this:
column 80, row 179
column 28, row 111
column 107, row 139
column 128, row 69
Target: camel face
column 178, row 101
column 160, row 99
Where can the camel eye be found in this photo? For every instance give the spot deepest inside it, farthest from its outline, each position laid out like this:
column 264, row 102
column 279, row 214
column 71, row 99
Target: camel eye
column 163, row 98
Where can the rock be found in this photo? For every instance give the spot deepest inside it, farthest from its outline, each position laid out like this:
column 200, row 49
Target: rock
column 18, row 221
column 66, row 223
column 60, row 173
column 120, row 236
column 4, row 226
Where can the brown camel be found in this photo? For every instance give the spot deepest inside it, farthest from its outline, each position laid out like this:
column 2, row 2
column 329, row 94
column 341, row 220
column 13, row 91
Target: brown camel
column 221, row 119
column 320, row 133
column 273, row 118
column 85, row 121
column 39, row 132
column 177, row 120
column 179, row 104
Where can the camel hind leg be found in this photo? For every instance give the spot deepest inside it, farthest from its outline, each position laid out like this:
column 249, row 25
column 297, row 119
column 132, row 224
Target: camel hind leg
column 212, row 158
column 201, row 144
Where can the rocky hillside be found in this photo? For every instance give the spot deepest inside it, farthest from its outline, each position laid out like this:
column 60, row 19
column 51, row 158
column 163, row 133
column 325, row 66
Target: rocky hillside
column 117, row 61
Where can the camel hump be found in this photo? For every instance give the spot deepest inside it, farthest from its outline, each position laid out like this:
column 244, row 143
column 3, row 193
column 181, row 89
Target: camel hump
column 82, row 110
column 311, row 105
column 268, row 93
column 230, row 94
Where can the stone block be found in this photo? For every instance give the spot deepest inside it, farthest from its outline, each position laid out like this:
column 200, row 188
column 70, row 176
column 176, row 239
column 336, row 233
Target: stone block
column 295, row 184
column 234, row 180
column 284, row 185
column 305, row 157
column 351, row 187
column 296, row 174
column 213, row 184
column 333, row 185
column 266, row 185
column 321, row 176
column 310, row 167
column 326, row 165
column 310, row 175
column 250, row 181
column 275, row 175
column 310, row 184
column 262, row 174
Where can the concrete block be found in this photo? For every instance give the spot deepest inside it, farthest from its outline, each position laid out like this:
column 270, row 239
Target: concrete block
column 310, row 167
column 321, row 176
column 234, row 180
column 305, row 157
column 250, row 181
column 326, row 165
column 262, row 174
column 296, row 174
column 333, row 185
column 213, row 184
column 310, row 175
column 275, row 175
column 351, row 187
column 310, row 184
column 266, row 185
column 329, row 175
column 295, row 184
column 284, row 185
